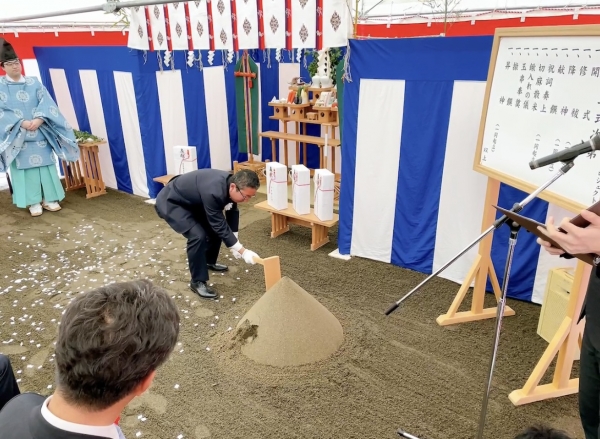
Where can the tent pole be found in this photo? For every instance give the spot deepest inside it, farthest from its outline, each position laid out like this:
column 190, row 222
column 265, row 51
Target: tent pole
column 517, row 9
column 355, row 19
column 108, row 7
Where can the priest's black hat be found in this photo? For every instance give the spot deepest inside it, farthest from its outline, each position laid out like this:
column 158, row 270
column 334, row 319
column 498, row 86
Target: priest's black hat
column 7, row 53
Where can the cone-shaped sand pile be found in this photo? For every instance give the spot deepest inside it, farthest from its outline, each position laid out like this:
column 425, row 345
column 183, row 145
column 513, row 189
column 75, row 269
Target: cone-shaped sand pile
column 289, row 327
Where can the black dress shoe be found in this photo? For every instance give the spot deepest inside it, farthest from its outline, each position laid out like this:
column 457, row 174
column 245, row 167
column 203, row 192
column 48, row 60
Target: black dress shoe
column 202, row 290
column 218, row 267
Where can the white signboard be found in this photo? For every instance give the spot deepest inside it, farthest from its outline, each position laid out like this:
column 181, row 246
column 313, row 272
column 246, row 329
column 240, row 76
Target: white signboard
column 543, row 98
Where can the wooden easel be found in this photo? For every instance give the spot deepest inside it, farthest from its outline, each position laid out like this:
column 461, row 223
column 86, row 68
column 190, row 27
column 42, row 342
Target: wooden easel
column 481, row 268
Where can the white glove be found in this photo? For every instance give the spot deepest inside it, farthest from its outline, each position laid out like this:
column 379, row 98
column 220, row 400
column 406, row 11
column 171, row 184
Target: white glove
column 249, row 256
column 235, row 249
column 236, row 254
column 235, row 234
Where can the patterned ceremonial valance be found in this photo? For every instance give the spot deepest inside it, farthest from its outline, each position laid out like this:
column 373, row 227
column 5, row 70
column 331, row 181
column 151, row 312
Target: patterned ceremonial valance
column 234, row 25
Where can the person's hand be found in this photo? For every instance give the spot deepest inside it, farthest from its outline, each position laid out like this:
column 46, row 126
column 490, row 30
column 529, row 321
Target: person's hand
column 236, row 254
column 35, row 124
column 26, row 124
column 249, row 256
column 576, row 240
column 549, row 248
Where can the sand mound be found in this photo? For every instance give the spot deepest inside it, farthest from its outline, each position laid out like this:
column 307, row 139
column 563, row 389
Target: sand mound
column 288, row 327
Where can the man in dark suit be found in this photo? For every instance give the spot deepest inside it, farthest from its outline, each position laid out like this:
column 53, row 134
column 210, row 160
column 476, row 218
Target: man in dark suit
column 110, row 343
column 8, row 384
column 193, row 203
column 575, row 241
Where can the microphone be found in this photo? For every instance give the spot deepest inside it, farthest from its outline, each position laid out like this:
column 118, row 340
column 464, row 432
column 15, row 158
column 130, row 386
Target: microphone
column 567, row 154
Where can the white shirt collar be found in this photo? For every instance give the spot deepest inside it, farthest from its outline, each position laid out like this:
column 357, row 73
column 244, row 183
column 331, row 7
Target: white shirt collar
column 9, row 79
column 109, row 431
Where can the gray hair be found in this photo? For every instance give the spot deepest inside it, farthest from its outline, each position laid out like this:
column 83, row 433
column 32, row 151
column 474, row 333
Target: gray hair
column 246, row 178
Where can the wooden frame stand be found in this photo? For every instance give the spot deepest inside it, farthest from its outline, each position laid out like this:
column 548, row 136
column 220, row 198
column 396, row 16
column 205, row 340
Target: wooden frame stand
column 565, row 343
column 281, row 219
column 86, row 172
column 479, row 272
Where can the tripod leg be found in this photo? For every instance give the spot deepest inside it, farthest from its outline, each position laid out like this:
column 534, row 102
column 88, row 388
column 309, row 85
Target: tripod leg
column 512, row 242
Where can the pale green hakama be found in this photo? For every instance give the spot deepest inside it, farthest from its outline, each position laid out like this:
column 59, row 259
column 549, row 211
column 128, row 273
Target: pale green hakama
column 32, row 185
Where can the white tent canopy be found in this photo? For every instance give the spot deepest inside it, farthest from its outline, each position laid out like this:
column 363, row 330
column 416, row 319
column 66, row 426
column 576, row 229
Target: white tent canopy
column 369, row 11
column 406, row 11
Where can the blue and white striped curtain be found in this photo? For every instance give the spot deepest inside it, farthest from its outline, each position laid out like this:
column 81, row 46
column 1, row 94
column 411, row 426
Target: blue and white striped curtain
column 122, row 95
column 409, row 194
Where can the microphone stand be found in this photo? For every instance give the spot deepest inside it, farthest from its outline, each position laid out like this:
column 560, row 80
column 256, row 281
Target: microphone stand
column 512, row 242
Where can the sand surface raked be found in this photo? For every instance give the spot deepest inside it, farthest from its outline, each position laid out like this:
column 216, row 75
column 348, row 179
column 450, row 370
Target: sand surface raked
column 397, row 371
column 289, row 327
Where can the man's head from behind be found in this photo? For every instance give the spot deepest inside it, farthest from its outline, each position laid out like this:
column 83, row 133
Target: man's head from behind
column 243, row 185
column 110, row 342
column 542, row 432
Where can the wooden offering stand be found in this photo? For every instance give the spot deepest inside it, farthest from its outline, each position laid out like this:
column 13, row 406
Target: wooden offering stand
column 86, row 171
column 302, row 114
column 281, row 219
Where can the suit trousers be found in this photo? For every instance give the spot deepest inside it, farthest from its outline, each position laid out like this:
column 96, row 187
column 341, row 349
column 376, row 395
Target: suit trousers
column 589, row 363
column 589, row 387
column 203, row 246
column 8, row 384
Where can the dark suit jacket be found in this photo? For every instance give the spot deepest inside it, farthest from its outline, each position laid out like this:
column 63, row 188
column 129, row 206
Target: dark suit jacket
column 591, row 307
column 201, row 192
column 22, row 418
